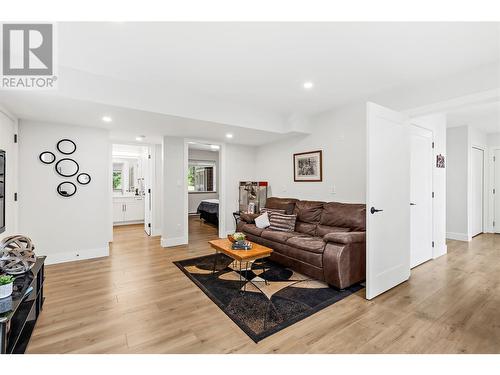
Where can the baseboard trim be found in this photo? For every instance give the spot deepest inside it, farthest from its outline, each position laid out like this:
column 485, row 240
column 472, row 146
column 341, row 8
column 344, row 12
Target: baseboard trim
column 457, row 236
column 120, row 223
column 72, row 256
column 439, row 253
column 174, row 241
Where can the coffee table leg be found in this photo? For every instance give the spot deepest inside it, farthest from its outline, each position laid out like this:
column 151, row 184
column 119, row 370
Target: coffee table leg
column 215, row 261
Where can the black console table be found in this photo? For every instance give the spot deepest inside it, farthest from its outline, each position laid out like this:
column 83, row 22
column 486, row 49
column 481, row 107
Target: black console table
column 19, row 312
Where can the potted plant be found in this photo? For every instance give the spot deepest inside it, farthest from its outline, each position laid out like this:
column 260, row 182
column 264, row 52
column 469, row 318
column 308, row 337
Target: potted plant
column 6, row 282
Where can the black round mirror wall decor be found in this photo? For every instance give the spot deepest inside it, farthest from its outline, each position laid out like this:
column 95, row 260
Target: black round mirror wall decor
column 66, row 146
column 66, row 189
column 83, row 178
column 47, row 157
column 67, row 167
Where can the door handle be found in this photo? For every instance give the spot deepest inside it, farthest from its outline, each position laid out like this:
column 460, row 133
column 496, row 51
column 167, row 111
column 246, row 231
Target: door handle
column 412, row 204
column 373, row 210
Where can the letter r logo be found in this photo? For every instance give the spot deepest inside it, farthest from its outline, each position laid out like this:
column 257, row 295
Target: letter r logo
column 27, row 49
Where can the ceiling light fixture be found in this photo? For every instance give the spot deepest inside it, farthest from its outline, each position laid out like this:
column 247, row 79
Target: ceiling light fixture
column 140, row 138
column 229, row 135
column 106, row 119
column 214, row 147
column 308, row 85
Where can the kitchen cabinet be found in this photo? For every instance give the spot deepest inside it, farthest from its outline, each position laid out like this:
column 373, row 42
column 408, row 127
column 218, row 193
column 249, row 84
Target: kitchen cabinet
column 127, row 210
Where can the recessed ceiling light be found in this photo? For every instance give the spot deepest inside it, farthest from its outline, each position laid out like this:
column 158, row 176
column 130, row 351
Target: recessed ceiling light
column 140, row 138
column 106, row 119
column 214, row 147
column 308, row 85
column 229, row 135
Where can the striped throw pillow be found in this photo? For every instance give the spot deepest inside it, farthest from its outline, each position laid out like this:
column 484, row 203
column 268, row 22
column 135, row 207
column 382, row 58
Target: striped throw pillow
column 270, row 211
column 282, row 222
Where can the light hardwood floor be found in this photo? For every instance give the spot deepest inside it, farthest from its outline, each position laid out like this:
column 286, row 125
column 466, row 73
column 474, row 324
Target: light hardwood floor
column 137, row 301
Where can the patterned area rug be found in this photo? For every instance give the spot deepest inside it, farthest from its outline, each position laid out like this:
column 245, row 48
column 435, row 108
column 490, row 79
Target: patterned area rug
column 265, row 297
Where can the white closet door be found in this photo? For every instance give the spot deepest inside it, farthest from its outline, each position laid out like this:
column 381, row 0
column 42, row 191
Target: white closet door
column 421, row 195
column 388, row 199
column 477, row 182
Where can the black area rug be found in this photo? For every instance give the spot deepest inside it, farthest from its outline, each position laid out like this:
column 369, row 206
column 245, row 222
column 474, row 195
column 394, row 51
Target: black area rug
column 263, row 308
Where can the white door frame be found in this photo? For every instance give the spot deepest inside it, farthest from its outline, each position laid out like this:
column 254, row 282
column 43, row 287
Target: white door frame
column 221, row 186
column 432, row 183
column 469, row 191
column 493, row 217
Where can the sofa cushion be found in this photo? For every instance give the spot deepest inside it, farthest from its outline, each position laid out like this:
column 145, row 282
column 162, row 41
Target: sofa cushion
column 282, row 222
column 248, row 218
column 252, row 229
column 311, row 244
column 322, row 230
column 308, row 211
column 346, row 238
column 287, row 204
column 306, row 228
column 279, row 236
column 345, row 215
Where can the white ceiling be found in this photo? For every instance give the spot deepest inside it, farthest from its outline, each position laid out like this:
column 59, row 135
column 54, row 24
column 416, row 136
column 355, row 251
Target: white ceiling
column 264, row 65
column 485, row 117
column 206, row 79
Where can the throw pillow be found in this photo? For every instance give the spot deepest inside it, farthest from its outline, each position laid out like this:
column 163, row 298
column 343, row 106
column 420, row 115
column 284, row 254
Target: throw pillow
column 270, row 211
column 282, row 222
column 262, row 221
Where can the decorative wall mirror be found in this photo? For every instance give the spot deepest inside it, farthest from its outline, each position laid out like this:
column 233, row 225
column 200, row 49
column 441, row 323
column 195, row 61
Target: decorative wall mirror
column 67, row 167
column 83, row 178
column 66, row 189
column 47, row 157
column 66, row 146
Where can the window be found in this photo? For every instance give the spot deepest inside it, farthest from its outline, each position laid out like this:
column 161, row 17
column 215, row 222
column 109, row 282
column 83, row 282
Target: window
column 117, row 180
column 201, row 176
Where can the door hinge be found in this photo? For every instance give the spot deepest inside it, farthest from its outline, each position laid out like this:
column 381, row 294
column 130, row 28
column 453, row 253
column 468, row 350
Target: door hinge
column 494, row 158
column 149, row 156
column 432, row 144
column 494, row 190
column 149, row 225
column 432, row 243
column 15, row 138
column 432, row 194
column 149, row 191
column 493, row 222
column 15, row 197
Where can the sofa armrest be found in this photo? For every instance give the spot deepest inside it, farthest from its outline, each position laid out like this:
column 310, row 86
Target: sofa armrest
column 345, row 237
column 248, row 218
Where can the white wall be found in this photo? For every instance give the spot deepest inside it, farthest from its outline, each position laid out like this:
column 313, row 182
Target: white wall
column 240, row 166
column 8, row 127
column 437, row 124
column 194, row 199
column 174, row 225
column 456, row 191
column 71, row 228
column 341, row 135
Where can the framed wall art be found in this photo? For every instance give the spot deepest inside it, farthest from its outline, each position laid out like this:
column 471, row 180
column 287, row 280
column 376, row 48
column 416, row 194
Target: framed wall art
column 307, row 166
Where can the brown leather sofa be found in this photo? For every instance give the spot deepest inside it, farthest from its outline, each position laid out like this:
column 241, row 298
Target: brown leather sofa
column 328, row 243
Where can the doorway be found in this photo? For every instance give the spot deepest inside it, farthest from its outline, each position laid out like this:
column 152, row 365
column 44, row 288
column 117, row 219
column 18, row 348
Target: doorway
column 203, row 186
column 132, row 175
column 477, row 191
column 421, row 217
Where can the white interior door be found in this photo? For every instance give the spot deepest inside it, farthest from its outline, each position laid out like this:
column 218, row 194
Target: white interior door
column 148, row 179
column 421, row 166
column 477, row 181
column 496, row 172
column 388, row 198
